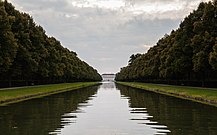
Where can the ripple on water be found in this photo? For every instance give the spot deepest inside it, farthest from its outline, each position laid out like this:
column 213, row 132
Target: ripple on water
column 141, row 116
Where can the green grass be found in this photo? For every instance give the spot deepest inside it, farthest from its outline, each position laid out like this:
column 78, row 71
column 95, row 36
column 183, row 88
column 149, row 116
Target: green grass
column 11, row 95
column 203, row 95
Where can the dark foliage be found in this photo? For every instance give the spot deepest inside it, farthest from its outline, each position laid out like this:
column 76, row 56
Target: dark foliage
column 187, row 55
column 28, row 55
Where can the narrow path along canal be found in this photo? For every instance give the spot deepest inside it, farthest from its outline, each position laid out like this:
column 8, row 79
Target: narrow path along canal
column 108, row 109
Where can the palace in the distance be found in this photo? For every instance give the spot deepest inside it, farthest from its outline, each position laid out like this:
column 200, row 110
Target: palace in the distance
column 108, row 77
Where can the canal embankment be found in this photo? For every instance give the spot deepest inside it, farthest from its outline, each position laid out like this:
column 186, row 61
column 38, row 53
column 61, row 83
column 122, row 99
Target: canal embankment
column 18, row 94
column 197, row 94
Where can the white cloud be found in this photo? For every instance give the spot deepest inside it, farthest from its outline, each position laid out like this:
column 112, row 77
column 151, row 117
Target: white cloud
column 108, row 4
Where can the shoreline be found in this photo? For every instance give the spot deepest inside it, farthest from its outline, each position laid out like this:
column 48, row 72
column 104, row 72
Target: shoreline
column 208, row 96
column 32, row 93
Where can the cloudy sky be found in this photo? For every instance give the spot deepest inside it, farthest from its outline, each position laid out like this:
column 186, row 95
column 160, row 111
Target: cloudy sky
column 104, row 33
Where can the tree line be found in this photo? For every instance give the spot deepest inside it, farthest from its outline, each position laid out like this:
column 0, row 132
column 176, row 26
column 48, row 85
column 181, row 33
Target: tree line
column 186, row 56
column 28, row 55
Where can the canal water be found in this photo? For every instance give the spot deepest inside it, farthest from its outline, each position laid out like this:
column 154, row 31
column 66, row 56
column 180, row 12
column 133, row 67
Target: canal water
column 108, row 109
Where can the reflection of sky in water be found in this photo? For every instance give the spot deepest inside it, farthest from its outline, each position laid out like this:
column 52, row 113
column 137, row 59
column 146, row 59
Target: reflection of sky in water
column 108, row 85
column 100, row 110
column 108, row 113
column 141, row 116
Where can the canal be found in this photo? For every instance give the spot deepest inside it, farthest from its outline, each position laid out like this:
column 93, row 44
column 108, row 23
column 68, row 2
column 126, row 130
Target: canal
column 108, row 109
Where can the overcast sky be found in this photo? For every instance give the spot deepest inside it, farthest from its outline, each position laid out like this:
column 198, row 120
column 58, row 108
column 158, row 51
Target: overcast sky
column 104, row 33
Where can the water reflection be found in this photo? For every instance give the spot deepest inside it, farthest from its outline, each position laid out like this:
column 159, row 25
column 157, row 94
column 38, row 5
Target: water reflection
column 45, row 115
column 140, row 114
column 110, row 115
column 180, row 117
column 108, row 85
column 108, row 109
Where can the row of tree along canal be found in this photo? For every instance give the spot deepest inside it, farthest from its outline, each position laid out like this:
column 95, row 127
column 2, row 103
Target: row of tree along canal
column 29, row 56
column 187, row 56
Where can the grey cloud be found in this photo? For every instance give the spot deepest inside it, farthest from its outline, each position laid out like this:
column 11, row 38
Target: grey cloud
column 159, row 1
column 41, row 4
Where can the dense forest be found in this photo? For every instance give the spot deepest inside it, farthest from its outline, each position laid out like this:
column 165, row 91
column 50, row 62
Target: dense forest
column 187, row 56
column 29, row 56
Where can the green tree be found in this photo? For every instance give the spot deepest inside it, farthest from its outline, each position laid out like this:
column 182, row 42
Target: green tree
column 8, row 44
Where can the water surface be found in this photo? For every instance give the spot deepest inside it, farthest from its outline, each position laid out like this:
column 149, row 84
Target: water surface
column 108, row 109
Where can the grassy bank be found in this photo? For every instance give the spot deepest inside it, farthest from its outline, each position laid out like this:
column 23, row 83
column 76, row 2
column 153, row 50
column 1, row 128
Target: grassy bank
column 203, row 95
column 11, row 95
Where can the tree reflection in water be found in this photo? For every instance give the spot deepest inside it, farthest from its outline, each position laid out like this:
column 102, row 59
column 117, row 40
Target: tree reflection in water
column 45, row 115
column 114, row 110
column 182, row 117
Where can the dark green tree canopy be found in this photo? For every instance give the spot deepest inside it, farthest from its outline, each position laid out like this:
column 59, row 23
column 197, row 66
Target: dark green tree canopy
column 188, row 53
column 28, row 54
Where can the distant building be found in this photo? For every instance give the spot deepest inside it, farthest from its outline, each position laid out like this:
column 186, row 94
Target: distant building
column 108, row 77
